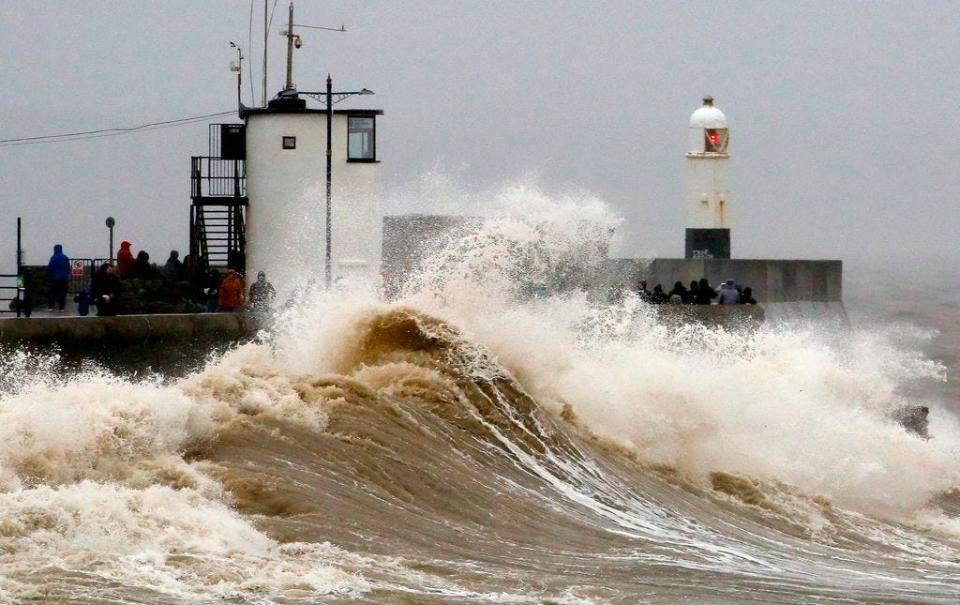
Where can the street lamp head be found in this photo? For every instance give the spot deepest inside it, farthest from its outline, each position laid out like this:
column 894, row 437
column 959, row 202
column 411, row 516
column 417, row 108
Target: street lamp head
column 366, row 91
column 110, row 222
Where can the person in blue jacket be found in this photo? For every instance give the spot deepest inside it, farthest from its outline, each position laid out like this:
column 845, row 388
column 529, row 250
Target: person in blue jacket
column 58, row 270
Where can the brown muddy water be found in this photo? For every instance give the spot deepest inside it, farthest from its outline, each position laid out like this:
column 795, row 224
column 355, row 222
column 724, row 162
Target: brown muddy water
column 372, row 453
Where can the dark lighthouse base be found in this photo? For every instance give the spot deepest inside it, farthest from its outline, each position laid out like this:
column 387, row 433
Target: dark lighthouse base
column 707, row 243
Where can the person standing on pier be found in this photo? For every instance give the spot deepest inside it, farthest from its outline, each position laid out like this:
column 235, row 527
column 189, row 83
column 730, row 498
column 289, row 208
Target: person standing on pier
column 125, row 260
column 705, row 292
column 58, row 270
column 262, row 294
column 173, row 269
column 728, row 293
column 231, row 292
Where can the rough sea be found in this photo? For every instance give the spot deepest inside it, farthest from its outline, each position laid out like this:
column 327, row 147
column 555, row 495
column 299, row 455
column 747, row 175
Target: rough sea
column 468, row 444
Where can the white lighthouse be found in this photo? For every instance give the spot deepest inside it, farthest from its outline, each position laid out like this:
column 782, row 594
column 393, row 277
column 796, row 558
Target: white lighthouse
column 708, row 195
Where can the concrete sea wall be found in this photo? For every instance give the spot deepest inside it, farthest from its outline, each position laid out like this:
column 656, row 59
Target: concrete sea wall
column 773, row 281
column 174, row 344
column 126, row 329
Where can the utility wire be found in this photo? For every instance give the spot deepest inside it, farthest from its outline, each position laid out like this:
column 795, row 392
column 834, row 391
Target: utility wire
column 108, row 132
column 273, row 8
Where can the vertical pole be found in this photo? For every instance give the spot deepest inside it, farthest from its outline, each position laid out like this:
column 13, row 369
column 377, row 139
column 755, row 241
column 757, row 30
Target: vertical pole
column 19, row 247
column 239, row 78
column 110, row 255
column 290, row 50
column 230, row 255
column 326, row 266
column 19, row 267
column 263, row 99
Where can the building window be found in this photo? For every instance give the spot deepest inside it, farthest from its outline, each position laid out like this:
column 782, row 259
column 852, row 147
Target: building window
column 361, row 139
column 289, row 142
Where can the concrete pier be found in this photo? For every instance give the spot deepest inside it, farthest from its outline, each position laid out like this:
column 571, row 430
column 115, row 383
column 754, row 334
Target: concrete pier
column 773, row 281
column 131, row 345
column 126, row 330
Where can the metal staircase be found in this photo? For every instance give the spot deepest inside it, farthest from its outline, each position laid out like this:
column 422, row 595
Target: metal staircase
column 217, row 214
column 218, row 234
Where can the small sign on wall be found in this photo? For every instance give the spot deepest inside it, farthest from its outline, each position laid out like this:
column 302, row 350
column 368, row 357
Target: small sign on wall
column 289, row 142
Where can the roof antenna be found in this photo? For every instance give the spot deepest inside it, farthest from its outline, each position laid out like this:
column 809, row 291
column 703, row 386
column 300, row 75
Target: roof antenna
column 294, row 41
column 266, row 30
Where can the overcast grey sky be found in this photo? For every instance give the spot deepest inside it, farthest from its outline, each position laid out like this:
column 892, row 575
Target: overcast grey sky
column 843, row 115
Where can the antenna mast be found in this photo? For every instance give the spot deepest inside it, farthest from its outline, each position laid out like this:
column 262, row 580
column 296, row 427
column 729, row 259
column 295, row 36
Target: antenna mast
column 290, row 37
column 266, row 26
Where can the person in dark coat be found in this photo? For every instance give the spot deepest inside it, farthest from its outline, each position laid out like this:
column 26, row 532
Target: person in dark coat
column 705, row 292
column 173, row 269
column 141, row 267
column 95, row 282
column 691, row 298
column 678, row 295
column 125, row 261
column 659, row 296
column 58, row 270
column 746, row 297
column 106, row 290
column 262, row 293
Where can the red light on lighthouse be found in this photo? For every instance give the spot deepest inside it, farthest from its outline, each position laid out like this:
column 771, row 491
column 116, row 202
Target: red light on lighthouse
column 715, row 140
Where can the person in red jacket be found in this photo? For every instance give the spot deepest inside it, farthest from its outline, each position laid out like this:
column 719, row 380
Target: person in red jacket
column 231, row 296
column 125, row 260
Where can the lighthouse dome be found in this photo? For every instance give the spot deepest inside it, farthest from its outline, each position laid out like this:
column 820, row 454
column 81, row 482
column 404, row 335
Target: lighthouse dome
column 708, row 116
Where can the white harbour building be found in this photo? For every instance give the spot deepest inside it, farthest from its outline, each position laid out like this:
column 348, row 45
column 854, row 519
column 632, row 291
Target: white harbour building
column 260, row 202
column 293, row 190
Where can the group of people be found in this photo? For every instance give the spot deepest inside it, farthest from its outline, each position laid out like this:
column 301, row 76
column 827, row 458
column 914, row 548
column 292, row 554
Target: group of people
column 699, row 293
column 140, row 267
column 225, row 293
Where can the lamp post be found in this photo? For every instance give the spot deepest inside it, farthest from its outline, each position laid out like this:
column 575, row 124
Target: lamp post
column 110, row 223
column 328, row 98
column 238, row 67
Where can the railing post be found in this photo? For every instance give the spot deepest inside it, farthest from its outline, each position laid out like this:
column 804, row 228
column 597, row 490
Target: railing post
column 193, row 238
column 194, row 177
column 20, row 282
column 236, row 178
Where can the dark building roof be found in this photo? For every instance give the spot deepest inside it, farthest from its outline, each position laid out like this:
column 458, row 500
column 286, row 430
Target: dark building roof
column 294, row 104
